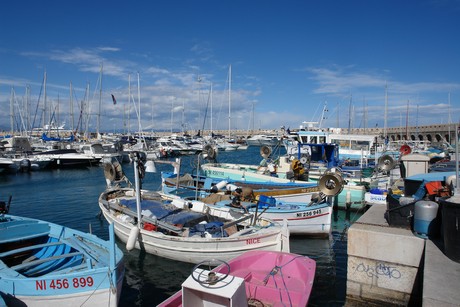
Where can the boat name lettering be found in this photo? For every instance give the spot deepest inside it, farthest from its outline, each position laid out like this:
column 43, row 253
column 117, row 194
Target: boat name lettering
column 216, row 173
column 309, row 213
column 64, row 283
column 252, row 241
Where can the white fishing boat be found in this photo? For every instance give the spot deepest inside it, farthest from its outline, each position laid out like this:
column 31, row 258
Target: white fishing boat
column 306, row 209
column 179, row 229
column 263, row 140
column 320, row 160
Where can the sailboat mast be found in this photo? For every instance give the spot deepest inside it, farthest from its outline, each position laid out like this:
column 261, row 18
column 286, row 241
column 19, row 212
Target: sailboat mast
column 44, row 103
column 211, row 109
column 449, row 120
column 100, row 104
column 139, row 102
column 407, row 121
column 27, row 109
column 229, row 98
column 349, row 115
column 129, row 103
column 12, row 111
column 71, row 108
column 172, row 114
column 385, row 115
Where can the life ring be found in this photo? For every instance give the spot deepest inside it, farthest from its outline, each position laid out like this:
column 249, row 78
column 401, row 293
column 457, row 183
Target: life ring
column 405, row 150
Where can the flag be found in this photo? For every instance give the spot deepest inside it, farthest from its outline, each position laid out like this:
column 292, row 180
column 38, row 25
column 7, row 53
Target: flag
column 114, row 100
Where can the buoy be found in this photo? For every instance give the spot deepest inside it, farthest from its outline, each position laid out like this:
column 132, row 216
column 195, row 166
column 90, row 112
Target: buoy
column 221, row 185
column 133, row 234
column 348, row 198
column 405, row 150
column 231, row 187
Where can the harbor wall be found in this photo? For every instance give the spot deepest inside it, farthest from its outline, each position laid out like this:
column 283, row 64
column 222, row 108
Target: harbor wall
column 383, row 262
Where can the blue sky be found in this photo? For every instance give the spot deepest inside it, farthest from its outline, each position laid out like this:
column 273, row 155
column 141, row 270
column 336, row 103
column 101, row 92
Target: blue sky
column 288, row 60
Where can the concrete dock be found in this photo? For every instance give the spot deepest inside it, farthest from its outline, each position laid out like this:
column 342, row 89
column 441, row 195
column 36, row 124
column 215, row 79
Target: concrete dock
column 393, row 267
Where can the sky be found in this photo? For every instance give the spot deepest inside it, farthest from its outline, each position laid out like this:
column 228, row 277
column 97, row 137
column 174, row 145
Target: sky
column 228, row 64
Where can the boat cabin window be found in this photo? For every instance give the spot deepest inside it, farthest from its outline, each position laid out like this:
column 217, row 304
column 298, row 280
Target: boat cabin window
column 313, row 139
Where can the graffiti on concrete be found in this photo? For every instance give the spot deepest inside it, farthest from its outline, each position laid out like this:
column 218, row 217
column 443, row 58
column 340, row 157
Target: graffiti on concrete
column 380, row 270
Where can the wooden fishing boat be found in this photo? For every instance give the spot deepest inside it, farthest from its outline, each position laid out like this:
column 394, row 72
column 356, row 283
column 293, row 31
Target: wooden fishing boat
column 256, row 278
column 186, row 185
column 309, row 214
column 307, row 165
column 149, row 221
column 45, row 264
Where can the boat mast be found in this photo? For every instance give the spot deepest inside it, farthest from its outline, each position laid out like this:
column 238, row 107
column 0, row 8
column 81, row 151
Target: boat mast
column 449, row 120
column 349, row 114
column 129, row 103
column 172, row 114
column 385, row 115
column 139, row 102
column 12, row 111
column 44, row 103
column 211, row 109
column 229, row 98
column 27, row 109
column 71, row 108
column 184, row 130
column 407, row 121
column 100, row 104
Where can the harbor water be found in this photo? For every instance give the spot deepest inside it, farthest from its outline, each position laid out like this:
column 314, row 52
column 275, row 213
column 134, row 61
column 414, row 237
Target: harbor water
column 70, row 197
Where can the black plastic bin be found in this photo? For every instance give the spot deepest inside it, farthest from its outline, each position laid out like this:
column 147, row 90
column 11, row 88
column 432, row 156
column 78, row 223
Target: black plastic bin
column 451, row 228
column 397, row 215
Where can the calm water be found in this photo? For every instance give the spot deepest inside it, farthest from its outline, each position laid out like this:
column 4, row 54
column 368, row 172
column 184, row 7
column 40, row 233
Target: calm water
column 70, row 197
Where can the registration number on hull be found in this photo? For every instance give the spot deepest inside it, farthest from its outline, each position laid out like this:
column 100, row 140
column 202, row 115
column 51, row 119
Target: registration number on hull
column 309, row 213
column 64, row 283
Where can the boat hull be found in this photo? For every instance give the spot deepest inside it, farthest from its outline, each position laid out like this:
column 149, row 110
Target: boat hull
column 255, row 278
column 194, row 249
column 45, row 264
column 301, row 219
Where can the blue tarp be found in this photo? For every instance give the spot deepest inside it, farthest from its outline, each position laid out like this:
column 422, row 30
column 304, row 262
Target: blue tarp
column 435, row 176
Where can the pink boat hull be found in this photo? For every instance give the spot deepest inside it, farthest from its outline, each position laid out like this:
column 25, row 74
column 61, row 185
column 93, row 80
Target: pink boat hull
column 275, row 278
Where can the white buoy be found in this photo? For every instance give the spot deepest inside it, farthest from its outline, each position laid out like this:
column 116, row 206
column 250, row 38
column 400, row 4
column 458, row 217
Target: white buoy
column 348, row 200
column 221, row 184
column 231, row 187
column 133, row 234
